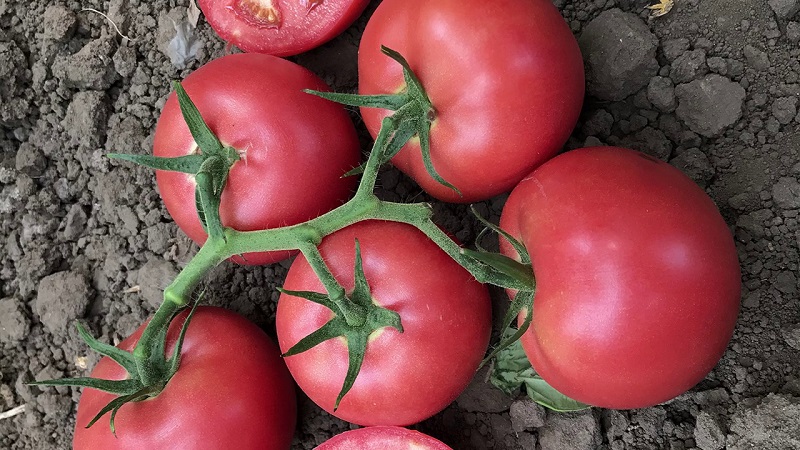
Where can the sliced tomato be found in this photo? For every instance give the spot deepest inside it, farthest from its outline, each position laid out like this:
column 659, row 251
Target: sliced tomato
column 280, row 27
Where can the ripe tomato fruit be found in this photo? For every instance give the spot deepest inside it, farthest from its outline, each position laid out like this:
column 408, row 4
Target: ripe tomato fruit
column 232, row 390
column 505, row 78
column 638, row 279
column 280, row 27
column 406, row 377
column 295, row 146
column 382, row 438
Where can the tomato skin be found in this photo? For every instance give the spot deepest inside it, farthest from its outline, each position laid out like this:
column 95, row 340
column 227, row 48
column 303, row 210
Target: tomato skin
column 406, row 377
column 297, row 147
column 300, row 30
column 507, row 91
column 232, row 390
column 638, row 279
column 382, row 438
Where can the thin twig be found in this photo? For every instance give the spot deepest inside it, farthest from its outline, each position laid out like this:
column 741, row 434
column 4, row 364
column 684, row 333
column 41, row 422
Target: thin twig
column 12, row 412
column 111, row 21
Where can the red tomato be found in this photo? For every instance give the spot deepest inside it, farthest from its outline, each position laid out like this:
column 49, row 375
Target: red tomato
column 382, row 438
column 406, row 377
column 505, row 78
column 280, row 27
column 638, row 279
column 296, row 146
column 232, row 390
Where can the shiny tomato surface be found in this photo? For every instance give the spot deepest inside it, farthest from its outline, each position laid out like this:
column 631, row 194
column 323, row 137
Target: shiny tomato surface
column 406, row 377
column 382, row 438
column 505, row 78
column 295, row 147
column 231, row 391
column 638, row 279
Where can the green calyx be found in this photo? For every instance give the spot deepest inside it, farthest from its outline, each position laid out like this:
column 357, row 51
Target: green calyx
column 146, row 379
column 414, row 115
column 357, row 316
column 512, row 370
column 355, row 323
column 210, row 166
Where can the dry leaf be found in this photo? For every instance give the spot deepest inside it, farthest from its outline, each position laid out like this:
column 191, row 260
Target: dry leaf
column 661, row 8
column 193, row 13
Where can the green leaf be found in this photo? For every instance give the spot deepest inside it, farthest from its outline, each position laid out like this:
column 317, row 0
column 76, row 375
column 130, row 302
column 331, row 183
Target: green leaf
column 412, row 81
column 424, row 132
column 392, row 102
column 119, row 387
column 186, row 164
column 121, row 357
column 544, row 394
column 202, row 134
column 175, row 360
column 332, row 329
column 523, row 301
column 520, row 249
column 508, row 273
column 356, row 349
column 208, row 201
column 512, row 369
column 316, row 297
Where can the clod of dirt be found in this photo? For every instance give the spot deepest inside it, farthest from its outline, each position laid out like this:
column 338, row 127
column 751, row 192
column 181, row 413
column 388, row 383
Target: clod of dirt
column 62, row 298
column 13, row 322
column 710, row 105
column 90, row 68
column 74, row 222
column 785, row 9
column 526, row 414
column 689, row 66
column 13, row 67
column 155, row 275
column 86, row 118
column 481, row 396
column 786, row 193
column 793, row 31
column 58, row 23
column 772, row 424
column 756, row 58
column 620, row 54
column 661, row 93
column 575, row 431
column 708, row 433
column 696, row 165
column 784, row 109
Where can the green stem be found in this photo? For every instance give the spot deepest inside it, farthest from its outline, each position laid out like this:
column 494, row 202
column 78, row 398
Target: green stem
column 176, row 297
column 355, row 315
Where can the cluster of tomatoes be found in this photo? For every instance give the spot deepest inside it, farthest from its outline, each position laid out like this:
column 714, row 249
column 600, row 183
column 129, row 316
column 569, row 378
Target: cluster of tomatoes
column 637, row 276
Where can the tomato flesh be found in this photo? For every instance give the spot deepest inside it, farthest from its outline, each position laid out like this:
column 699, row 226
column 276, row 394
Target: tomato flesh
column 232, row 390
column 638, row 279
column 280, row 27
column 382, row 438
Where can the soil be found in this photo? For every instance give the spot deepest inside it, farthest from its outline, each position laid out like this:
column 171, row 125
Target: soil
column 713, row 87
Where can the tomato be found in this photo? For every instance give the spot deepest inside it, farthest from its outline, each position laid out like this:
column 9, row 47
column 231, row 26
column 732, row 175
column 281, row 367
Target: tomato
column 638, row 279
column 382, row 438
column 232, row 390
column 296, row 146
column 505, row 79
column 406, row 377
column 280, row 27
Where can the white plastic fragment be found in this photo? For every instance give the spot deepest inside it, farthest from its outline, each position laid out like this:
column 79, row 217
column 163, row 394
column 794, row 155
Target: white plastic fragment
column 12, row 412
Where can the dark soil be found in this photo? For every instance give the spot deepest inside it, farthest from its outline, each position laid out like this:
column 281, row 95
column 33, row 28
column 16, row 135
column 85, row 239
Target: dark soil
column 713, row 87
